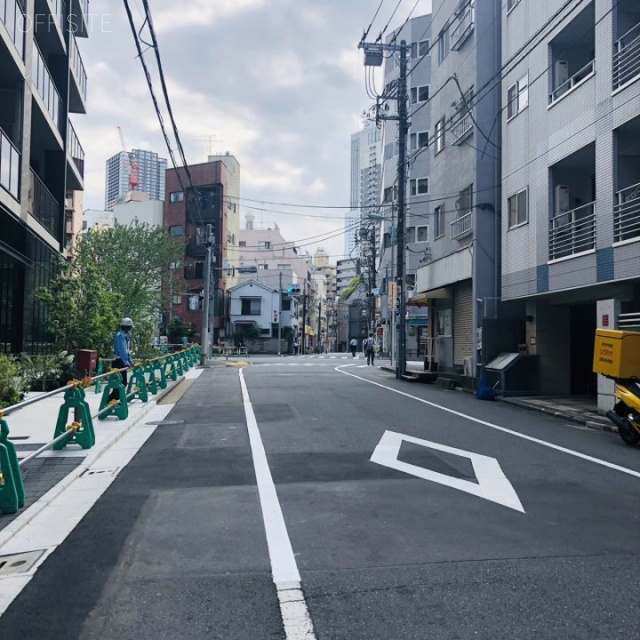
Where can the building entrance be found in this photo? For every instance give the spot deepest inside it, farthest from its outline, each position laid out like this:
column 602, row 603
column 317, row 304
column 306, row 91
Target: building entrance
column 582, row 333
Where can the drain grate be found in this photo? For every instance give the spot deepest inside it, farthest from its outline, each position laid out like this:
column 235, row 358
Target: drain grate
column 99, row 472
column 19, row 562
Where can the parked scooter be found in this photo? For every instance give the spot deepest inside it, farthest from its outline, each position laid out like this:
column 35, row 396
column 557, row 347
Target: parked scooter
column 626, row 412
column 616, row 355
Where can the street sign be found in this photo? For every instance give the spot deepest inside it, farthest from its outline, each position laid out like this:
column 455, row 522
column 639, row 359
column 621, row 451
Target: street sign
column 491, row 483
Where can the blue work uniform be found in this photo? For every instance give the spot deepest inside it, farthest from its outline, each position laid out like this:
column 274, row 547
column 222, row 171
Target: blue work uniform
column 121, row 348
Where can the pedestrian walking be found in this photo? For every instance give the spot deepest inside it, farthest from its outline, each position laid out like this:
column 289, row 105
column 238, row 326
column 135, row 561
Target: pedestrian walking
column 295, row 347
column 370, row 349
column 353, row 345
column 123, row 357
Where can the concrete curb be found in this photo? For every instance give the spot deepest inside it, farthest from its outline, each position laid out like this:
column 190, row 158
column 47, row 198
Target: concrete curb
column 577, row 418
column 92, row 457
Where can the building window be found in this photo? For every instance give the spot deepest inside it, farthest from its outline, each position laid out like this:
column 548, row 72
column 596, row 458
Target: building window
column 242, row 243
column 518, row 209
column 251, row 306
column 176, row 230
column 176, row 196
column 264, row 244
column 438, row 222
column 443, row 45
column 419, row 94
column 422, row 234
column 439, row 136
column 424, row 47
column 418, row 140
column 518, row 97
column 410, row 236
column 418, row 186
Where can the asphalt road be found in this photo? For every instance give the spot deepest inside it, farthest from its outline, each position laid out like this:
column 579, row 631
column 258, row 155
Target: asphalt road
column 474, row 520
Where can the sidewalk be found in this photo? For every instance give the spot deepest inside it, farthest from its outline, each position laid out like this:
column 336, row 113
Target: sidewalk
column 578, row 409
column 32, row 427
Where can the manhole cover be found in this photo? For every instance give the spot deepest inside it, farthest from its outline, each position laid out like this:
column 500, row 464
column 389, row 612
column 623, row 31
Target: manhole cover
column 19, row 562
column 99, row 472
column 162, row 422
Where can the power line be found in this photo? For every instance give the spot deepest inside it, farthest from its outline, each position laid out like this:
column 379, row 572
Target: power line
column 379, row 38
column 375, row 15
column 165, row 93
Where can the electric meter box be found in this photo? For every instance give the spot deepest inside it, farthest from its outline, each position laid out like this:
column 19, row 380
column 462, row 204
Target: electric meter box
column 617, row 354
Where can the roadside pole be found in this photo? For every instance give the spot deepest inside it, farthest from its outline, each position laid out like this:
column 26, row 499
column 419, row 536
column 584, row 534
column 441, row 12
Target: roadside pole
column 280, row 315
column 207, row 295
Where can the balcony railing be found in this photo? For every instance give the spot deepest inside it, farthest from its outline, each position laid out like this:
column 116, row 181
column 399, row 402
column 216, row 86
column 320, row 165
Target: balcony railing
column 462, row 226
column 573, row 81
column 74, row 149
column 43, row 83
column 77, row 67
column 12, row 16
column 626, row 214
column 43, row 206
column 572, row 232
column 462, row 128
column 626, row 59
column 463, row 28
column 57, row 11
column 9, row 166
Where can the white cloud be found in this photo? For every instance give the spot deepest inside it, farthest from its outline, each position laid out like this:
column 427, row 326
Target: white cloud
column 171, row 15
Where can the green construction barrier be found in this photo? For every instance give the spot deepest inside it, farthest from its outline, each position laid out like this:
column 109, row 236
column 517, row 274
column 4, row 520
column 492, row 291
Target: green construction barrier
column 11, row 485
column 119, row 410
column 178, row 362
column 99, row 372
column 152, row 385
column 160, row 367
column 173, row 372
column 137, row 387
column 82, row 431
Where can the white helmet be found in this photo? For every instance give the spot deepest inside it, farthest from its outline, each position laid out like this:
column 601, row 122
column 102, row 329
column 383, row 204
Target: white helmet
column 126, row 322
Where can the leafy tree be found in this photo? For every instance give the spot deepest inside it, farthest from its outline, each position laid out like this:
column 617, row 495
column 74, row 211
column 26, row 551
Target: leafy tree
column 113, row 273
column 11, row 382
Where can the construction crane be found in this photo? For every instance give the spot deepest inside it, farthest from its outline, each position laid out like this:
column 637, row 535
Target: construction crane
column 134, row 168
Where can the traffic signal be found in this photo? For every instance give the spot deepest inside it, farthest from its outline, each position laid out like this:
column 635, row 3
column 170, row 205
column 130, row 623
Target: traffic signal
column 293, row 290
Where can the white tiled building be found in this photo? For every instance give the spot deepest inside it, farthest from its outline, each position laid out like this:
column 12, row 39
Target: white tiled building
column 571, row 179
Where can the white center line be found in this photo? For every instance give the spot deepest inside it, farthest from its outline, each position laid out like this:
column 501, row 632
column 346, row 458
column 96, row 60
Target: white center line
column 571, row 452
column 286, row 577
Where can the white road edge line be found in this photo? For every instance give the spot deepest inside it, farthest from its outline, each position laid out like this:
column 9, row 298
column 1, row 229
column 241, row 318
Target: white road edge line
column 286, row 577
column 576, row 454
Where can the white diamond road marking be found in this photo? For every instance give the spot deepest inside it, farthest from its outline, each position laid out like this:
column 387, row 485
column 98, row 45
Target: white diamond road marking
column 492, row 485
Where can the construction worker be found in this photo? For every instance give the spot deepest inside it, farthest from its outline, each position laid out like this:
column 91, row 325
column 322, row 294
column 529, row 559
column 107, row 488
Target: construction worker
column 121, row 349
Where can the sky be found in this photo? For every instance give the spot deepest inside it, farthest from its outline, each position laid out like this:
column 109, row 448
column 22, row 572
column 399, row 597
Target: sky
column 277, row 83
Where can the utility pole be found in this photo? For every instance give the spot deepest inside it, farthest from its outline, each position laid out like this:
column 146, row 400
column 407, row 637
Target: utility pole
column 373, row 57
column 304, row 319
column 319, row 325
column 207, row 295
column 280, row 315
column 403, row 130
column 372, row 281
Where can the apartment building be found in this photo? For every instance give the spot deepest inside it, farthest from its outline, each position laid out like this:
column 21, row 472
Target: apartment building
column 417, row 33
column 150, row 168
column 460, row 280
column 211, row 197
column 43, row 85
column 571, row 179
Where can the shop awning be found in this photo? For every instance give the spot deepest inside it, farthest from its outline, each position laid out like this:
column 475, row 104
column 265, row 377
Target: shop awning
column 422, row 299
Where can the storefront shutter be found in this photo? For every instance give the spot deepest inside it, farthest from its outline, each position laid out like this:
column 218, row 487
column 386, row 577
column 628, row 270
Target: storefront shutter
column 462, row 322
